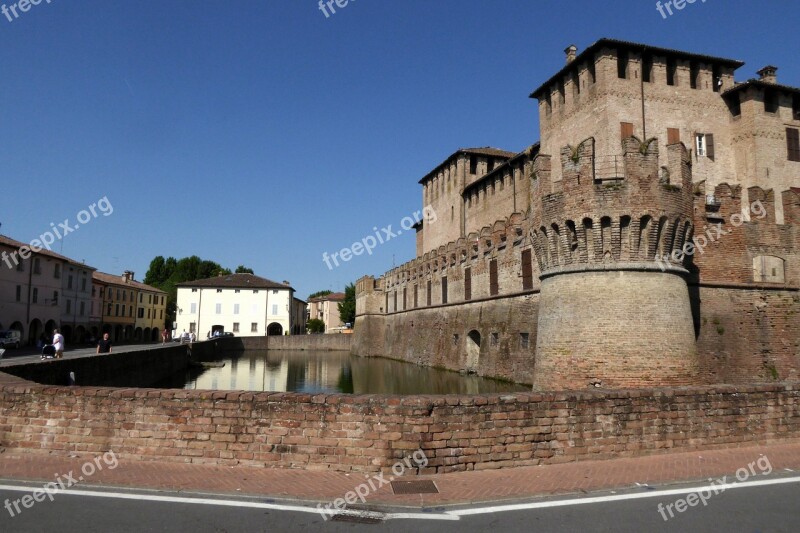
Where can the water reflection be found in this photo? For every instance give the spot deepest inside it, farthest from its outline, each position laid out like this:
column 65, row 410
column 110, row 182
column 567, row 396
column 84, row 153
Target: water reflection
column 329, row 372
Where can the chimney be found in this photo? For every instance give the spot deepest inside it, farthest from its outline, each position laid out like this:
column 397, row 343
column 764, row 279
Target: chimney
column 571, row 52
column 127, row 276
column 768, row 74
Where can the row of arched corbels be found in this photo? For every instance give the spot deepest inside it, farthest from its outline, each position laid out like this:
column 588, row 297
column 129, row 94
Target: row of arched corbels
column 596, row 239
column 488, row 241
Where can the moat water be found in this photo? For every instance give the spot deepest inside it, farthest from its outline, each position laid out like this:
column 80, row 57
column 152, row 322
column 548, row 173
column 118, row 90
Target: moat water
column 330, row 372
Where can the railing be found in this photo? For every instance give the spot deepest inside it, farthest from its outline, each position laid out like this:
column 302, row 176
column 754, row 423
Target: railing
column 609, row 167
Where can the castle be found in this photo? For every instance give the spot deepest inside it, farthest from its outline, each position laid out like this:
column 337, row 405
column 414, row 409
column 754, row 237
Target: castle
column 649, row 239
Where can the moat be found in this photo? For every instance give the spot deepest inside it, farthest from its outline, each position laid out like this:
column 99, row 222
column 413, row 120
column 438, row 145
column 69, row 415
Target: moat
column 329, row 372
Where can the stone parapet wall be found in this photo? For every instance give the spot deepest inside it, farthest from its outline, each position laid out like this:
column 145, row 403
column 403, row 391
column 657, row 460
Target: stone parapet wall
column 370, row 433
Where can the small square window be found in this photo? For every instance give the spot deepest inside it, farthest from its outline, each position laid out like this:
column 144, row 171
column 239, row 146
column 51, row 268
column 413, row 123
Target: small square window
column 494, row 339
column 524, row 340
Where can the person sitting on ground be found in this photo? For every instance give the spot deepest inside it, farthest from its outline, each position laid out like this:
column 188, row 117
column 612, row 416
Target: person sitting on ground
column 104, row 344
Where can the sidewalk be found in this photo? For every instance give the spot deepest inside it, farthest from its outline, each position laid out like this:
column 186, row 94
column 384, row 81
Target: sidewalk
column 454, row 489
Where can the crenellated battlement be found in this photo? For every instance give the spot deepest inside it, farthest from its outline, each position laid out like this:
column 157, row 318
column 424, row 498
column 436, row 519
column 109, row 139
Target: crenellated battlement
column 642, row 213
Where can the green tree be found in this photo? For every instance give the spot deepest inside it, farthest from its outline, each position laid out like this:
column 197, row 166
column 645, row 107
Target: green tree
column 318, row 294
column 347, row 307
column 241, row 269
column 165, row 274
column 315, row 325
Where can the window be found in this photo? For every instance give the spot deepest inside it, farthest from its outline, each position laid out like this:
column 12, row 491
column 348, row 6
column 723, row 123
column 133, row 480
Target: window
column 494, row 339
column 527, row 270
column 55, row 297
column 672, row 72
column 83, row 284
column 116, row 310
column 35, row 295
column 704, row 143
column 237, row 291
column 626, row 130
column 194, row 290
column 274, row 309
column 118, row 295
column 473, row 164
column 622, row 64
column 193, row 308
column 255, row 291
column 192, row 327
column 647, row 68
column 218, row 309
column 19, row 293
column 130, row 310
column 150, row 299
column 274, row 291
column 444, row 289
column 219, row 290
column 524, row 340
column 108, row 312
column 236, row 327
column 140, row 297
column 37, row 266
column 141, row 312
column 416, row 299
column 793, row 144
column 20, row 266
column 394, row 301
column 428, row 296
column 57, row 271
column 148, row 314
column 694, row 74
column 467, row 283
column 235, row 309
column 489, row 165
column 493, row 285
column 69, row 306
column 770, row 101
column 69, row 281
column 254, row 327
column 83, row 308
column 673, row 135
column 716, row 78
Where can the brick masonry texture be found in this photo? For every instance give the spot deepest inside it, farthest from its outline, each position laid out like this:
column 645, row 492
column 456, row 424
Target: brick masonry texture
column 371, row 433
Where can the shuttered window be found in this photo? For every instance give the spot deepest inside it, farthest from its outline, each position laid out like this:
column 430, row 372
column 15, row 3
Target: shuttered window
column 793, row 144
column 710, row 146
column 467, row 283
column 493, row 289
column 527, row 270
column 626, row 129
column 673, row 135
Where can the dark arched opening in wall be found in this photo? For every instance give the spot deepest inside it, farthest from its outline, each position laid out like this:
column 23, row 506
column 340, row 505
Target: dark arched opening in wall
column 274, row 329
column 154, row 335
column 473, row 351
column 49, row 327
column 35, row 330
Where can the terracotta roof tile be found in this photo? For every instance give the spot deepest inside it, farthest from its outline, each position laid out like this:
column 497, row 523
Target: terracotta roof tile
column 11, row 243
column 236, row 281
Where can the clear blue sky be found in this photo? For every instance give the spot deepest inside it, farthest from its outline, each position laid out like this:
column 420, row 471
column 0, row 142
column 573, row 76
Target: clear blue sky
column 262, row 133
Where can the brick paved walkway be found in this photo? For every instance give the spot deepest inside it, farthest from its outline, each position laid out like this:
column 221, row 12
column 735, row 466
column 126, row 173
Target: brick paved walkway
column 456, row 488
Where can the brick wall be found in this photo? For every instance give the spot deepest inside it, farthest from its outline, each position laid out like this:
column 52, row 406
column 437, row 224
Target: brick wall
column 370, row 433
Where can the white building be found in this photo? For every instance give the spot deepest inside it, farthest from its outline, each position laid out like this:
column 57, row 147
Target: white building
column 243, row 304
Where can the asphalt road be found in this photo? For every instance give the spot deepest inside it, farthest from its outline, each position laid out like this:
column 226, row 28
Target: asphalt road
column 758, row 507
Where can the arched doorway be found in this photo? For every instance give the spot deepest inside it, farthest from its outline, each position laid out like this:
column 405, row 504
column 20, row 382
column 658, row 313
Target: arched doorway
column 67, row 332
column 274, row 329
column 154, row 335
column 49, row 327
column 17, row 326
column 35, row 330
column 80, row 335
column 137, row 335
column 118, row 334
column 473, row 350
column 128, row 333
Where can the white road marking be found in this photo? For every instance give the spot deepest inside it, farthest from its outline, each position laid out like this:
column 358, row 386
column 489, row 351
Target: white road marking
column 447, row 515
